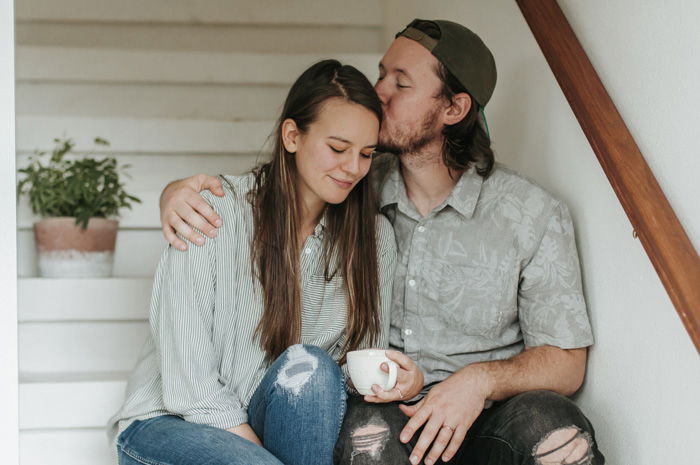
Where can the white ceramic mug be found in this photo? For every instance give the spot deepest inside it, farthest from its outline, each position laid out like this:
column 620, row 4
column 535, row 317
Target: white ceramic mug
column 365, row 370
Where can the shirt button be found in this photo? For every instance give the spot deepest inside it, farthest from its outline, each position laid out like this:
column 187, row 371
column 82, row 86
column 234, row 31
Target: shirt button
column 412, row 282
column 421, row 228
column 408, row 332
column 307, row 250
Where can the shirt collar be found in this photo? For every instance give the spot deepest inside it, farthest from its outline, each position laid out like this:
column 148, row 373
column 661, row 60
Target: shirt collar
column 463, row 197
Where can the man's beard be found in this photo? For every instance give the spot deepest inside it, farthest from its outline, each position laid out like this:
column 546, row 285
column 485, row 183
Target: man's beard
column 411, row 143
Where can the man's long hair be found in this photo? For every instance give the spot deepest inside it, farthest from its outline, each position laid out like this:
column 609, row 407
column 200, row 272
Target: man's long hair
column 350, row 250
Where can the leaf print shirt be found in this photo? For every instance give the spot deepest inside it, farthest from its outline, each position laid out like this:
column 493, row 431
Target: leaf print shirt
column 491, row 270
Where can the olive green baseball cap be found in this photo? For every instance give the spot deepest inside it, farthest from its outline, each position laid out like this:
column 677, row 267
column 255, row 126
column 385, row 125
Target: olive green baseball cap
column 461, row 51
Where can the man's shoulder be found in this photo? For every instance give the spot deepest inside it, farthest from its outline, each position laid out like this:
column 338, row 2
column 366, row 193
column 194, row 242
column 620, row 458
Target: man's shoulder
column 506, row 181
column 382, row 164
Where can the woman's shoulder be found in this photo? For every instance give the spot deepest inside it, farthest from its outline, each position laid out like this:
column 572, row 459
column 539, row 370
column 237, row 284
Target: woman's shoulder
column 386, row 243
column 233, row 207
column 236, row 188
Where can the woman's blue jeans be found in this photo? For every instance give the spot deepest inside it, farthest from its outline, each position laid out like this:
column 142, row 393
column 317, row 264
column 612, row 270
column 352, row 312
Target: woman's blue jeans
column 296, row 411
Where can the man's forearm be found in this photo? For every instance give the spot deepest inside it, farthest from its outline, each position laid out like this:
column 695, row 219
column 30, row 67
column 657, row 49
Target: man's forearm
column 549, row 368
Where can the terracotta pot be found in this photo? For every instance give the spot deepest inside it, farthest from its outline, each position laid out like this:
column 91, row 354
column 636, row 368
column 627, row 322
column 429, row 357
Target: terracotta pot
column 68, row 251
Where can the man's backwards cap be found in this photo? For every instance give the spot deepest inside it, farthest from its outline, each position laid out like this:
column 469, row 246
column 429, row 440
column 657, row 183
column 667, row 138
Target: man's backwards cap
column 461, row 51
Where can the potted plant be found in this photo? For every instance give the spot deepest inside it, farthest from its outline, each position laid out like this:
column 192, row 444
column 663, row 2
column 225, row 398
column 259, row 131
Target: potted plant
column 78, row 198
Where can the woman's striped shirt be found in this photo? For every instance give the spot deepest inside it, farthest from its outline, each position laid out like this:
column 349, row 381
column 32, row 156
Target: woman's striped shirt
column 201, row 361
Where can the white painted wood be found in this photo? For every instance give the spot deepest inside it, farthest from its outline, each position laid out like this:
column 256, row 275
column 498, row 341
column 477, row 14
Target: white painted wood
column 149, row 175
column 368, row 12
column 136, row 255
column 278, row 38
column 143, row 215
column 74, row 447
column 80, row 347
column 128, row 135
column 84, row 404
column 43, row 300
column 8, row 252
column 158, row 66
column 163, row 101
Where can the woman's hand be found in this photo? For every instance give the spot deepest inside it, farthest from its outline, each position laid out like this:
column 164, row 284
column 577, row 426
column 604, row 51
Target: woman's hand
column 409, row 380
column 181, row 207
column 246, row 432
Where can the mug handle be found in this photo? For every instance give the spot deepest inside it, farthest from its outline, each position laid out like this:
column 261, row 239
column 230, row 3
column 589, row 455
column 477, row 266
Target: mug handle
column 393, row 372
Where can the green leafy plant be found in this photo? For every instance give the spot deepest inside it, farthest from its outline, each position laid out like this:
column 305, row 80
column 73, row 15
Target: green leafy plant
column 82, row 187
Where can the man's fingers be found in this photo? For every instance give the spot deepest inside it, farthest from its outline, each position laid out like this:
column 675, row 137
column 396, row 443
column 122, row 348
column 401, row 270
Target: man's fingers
column 184, row 230
column 410, row 410
column 441, row 441
column 204, row 209
column 455, row 443
column 195, row 220
column 419, row 417
column 172, row 238
column 213, row 184
column 426, row 438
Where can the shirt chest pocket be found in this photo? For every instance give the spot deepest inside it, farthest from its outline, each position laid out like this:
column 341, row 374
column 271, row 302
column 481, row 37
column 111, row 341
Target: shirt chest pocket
column 476, row 300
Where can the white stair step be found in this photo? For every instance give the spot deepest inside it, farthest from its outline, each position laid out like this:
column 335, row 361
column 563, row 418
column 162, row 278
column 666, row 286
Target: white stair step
column 130, row 135
column 115, row 299
column 69, row 404
column 74, row 447
column 136, row 255
column 149, row 175
column 163, row 101
column 258, row 38
column 80, row 347
column 336, row 12
column 158, row 66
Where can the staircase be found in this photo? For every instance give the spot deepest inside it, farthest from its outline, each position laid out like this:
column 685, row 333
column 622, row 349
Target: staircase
column 177, row 87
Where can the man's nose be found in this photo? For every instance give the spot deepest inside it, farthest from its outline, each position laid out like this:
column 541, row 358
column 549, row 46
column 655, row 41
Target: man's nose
column 382, row 92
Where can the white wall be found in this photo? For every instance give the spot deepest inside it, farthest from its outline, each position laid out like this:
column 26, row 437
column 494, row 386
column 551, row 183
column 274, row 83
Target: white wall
column 8, row 256
column 643, row 378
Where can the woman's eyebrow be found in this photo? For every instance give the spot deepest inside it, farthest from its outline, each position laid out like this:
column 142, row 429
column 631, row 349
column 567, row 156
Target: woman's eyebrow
column 340, row 139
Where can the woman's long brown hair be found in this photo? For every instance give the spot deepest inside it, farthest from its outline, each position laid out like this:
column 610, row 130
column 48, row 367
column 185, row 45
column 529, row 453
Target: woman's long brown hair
column 350, row 248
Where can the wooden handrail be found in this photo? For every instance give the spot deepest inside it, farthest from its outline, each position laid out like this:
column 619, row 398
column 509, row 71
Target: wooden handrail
column 664, row 239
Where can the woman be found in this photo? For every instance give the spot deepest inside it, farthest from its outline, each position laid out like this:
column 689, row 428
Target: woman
column 302, row 258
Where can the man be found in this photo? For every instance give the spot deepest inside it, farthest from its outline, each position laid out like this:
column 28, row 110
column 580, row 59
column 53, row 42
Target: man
column 488, row 312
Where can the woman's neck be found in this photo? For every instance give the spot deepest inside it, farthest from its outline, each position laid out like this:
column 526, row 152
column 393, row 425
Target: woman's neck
column 311, row 213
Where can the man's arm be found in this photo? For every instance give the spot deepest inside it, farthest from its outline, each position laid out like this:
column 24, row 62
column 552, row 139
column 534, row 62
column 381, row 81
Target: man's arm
column 181, row 208
column 450, row 407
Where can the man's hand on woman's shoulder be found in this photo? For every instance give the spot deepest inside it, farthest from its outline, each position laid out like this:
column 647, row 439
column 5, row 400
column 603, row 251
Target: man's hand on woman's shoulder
column 182, row 208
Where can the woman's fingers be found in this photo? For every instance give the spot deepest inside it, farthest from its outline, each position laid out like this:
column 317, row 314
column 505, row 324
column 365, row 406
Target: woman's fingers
column 403, row 360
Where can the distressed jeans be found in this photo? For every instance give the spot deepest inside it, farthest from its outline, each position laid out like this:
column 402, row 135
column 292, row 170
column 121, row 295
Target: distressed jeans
column 508, row 433
column 296, row 411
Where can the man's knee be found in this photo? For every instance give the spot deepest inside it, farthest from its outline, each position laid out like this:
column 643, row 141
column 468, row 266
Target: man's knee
column 564, row 446
column 546, row 410
column 560, row 432
column 370, row 434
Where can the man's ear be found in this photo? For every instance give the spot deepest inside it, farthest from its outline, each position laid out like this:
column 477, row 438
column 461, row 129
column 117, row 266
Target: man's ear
column 290, row 135
column 458, row 109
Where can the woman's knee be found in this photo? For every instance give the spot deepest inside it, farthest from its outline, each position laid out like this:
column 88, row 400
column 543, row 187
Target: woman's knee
column 309, row 370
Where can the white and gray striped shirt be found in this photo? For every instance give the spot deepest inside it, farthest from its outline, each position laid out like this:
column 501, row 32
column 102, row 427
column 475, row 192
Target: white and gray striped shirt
column 201, row 361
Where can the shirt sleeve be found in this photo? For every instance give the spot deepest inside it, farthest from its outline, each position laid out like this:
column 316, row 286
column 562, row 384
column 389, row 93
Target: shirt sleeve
column 551, row 305
column 182, row 318
column 386, row 262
